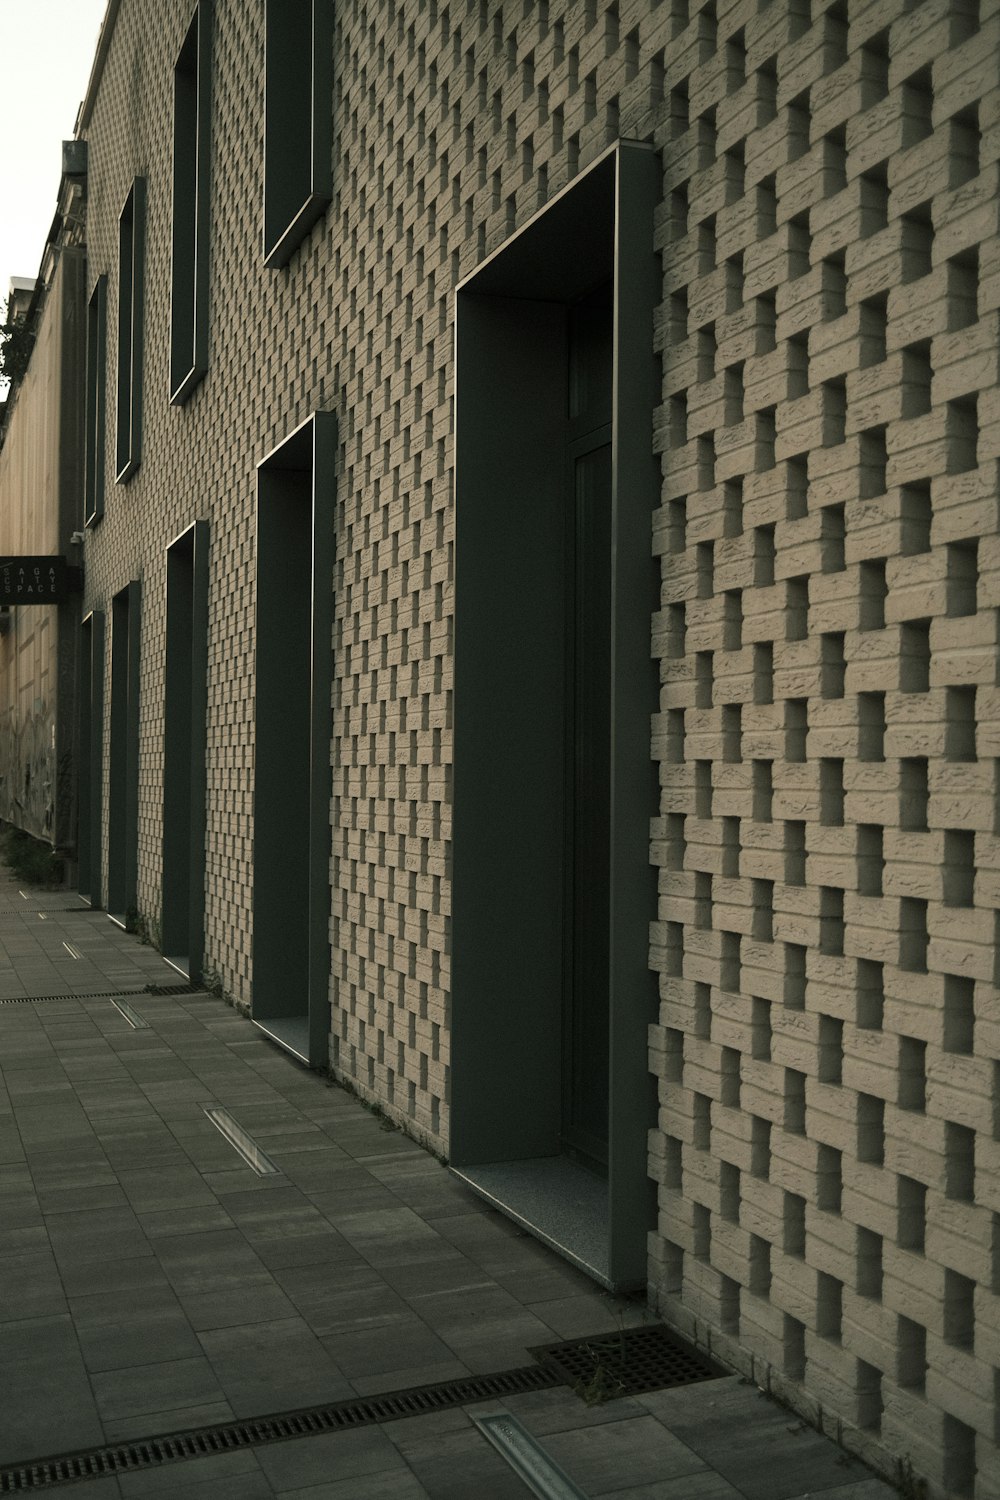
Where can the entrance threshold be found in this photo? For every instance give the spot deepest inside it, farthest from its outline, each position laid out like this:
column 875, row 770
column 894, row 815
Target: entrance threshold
column 558, row 1201
column 290, row 1032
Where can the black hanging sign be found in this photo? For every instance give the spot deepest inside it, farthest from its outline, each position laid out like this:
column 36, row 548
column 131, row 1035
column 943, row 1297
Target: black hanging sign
column 33, row 580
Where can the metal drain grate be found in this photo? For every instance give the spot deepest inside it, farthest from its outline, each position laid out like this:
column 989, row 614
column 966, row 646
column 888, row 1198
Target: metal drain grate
column 649, row 1358
column 176, row 989
column 224, row 1437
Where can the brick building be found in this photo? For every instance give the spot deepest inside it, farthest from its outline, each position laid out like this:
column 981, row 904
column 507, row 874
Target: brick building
column 41, row 441
column 540, row 633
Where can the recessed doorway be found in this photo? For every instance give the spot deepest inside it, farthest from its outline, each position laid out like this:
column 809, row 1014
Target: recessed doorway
column 183, row 913
column 123, row 756
column 89, row 800
column 555, row 584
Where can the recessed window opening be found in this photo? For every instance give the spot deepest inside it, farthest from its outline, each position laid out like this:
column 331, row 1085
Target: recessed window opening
column 298, row 180
column 192, row 156
column 93, row 507
column 131, row 280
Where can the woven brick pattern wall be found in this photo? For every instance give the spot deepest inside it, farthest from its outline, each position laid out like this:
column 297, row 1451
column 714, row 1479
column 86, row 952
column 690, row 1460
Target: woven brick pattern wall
column 829, row 735
column 198, row 460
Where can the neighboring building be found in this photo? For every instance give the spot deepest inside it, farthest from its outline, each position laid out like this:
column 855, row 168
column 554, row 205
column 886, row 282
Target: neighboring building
column 20, row 290
column 41, row 475
column 454, row 370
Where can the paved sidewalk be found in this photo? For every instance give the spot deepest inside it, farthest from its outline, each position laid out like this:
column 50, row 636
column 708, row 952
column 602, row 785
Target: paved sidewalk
column 150, row 1281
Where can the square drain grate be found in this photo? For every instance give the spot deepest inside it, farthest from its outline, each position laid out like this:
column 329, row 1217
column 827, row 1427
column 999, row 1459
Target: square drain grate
column 605, row 1367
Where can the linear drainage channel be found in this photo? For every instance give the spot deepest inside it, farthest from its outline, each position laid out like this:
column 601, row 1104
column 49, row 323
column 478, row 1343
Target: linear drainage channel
column 549, row 1372
column 146, row 989
column 90, row 995
column 225, row 1437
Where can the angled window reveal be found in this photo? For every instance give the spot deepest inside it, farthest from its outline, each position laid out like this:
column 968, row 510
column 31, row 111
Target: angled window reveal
column 297, row 122
column 192, row 155
column 93, row 502
column 131, row 276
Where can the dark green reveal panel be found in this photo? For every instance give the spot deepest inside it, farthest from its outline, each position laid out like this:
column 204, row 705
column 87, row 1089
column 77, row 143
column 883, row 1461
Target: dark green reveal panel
column 555, row 584
column 292, row 787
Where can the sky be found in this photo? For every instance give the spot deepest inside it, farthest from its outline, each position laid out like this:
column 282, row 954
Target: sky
column 47, row 48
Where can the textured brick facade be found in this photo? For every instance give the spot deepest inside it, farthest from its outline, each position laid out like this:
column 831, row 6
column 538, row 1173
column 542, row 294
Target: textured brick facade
column 828, row 740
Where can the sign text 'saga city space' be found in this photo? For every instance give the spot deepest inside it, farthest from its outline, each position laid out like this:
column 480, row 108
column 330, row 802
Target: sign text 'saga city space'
column 33, row 580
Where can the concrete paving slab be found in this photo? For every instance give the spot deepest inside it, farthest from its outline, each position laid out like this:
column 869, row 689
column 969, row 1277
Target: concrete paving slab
column 173, row 1419
column 388, row 1350
column 161, row 1222
column 113, row 1276
column 273, row 1366
column 240, row 1473
column 30, row 1287
column 638, row 1449
column 155, row 1337
column 48, row 1403
column 399, row 1484
column 174, row 1384
column 239, row 1305
column 455, row 1465
column 335, row 1456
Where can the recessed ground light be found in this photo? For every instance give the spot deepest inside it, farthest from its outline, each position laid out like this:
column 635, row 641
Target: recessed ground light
column 528, row 1459
column 73, row 952
column 240, row 1140
column 132, row 1016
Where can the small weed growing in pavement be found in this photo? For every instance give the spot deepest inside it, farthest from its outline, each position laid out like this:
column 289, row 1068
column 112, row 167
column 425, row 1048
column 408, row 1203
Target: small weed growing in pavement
column 603, row 1385
column 146, row 929
column 29, row 859
column 910, row 1486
